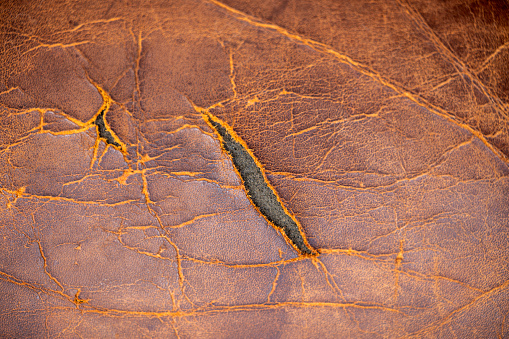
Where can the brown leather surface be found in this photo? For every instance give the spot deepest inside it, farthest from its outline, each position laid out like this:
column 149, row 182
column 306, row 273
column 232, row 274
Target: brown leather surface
column 383, row 126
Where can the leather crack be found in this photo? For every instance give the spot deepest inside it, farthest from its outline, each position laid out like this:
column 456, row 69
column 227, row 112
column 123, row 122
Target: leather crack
column 259, row 191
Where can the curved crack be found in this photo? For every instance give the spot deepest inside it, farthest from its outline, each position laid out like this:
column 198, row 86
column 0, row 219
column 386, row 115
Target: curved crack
column 103, row 131
column 260, row 192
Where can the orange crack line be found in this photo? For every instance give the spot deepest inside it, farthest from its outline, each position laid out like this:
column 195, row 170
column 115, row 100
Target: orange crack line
column 252, row 101
column 11, row 279
column 274, row 284
column 418, row 275
column 153, row 170
column 232, row 75
column 444, row 156
column 16, row 112
column 146, row 157
column 410, row 273
column 79, row 181
column 325, row 49
column 170, row 119
column 9, row 90
column 107, row 101
column 17, row 193
column 71, row 328
column 102, row 21
column 120, row 77
column 187, row 173
column 222, row 263
column 312, row 97
column 332, row 148
column 397, row 181
column 312, row 128
column 142, row 228
column 319, row 265
column 138, row 250
column 353, row 118
column 453, row 59
column 103, row 154
column 185, row 126
column 443, row 83
column 383, row 264
column 178, row 255
column 459, row 311
column 382, row 258
column 77, row 300
column 191, row 221
column 236, row 308
column 231, row 187
column 94, row 153
column 66, row 132
column 397, row 269
column 492, row 56
column 234, row 135
column 496, row 134
column 252, row 98
column 84, row 126
column 298, row 177
column 51, row 198
column 166, row 235
column 139, row 45
column 41, row 251
column 179, row 174
column 419, row 224
column 28, row 134
column 49, row 46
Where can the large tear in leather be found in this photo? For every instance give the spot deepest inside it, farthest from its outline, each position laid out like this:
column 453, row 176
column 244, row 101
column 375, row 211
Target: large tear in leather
column 381, row 126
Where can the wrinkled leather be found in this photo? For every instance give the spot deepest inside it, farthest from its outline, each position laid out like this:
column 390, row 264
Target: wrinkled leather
column 382, row 126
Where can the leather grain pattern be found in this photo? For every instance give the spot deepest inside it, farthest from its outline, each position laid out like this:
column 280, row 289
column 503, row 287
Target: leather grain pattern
column 382, row 127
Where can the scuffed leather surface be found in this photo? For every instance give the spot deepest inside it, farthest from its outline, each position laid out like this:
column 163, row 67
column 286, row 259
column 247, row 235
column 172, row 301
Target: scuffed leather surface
column 382, row 126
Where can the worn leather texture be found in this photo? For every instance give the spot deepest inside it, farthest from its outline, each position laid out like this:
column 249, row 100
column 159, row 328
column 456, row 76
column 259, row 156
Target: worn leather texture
column 382, row 126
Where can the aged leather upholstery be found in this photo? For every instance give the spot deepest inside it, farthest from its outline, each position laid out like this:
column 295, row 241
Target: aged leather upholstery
column 382, row 126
